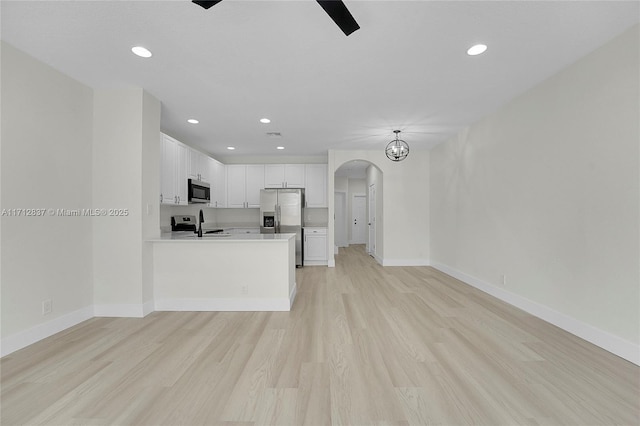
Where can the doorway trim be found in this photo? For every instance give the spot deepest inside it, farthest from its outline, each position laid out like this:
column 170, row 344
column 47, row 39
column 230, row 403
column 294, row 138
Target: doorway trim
column 340, row 222
column 371, row 221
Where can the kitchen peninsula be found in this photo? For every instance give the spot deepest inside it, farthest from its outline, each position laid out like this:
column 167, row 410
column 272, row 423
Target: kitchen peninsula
column 222, row 272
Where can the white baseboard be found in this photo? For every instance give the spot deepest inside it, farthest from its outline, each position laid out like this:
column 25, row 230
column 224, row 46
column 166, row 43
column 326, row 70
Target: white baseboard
column 377, row 258
column 404, row 262
column 331, row 262
column 125, row 310
column 41, row 331
column 315, row 263
column 292, row 295
column 605, row 340
column 148, row 307
column 224, row 304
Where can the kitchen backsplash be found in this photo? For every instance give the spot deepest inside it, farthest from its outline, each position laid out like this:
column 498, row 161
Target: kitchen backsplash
column 236, row 217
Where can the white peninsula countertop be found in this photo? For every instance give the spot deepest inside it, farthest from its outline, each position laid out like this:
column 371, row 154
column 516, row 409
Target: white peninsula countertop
column 223, row 272
column 190, row 237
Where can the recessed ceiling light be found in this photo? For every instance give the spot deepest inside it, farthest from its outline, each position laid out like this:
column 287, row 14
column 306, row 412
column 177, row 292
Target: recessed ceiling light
column 192, row 121
column 265, row 120
column 477, row 49
column 141, row 51
column 280, row 147
column 231, row 148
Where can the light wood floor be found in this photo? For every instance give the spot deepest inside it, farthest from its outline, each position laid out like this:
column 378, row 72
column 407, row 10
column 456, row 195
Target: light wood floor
column 363, row 345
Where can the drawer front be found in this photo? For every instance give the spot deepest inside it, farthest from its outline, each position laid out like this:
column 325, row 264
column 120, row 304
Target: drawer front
column 319, row 231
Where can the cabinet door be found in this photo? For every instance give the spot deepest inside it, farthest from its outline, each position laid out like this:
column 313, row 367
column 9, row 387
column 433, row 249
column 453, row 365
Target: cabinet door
column 205, row 168
column 198, row 166
column 294, row 175
column 315, row 247
column 274, row 176
column 316, row 185
column 168, row 170
column 218, row 181
column 255, row 183
column 181, row 173
column 236, row 186
column 192, row 164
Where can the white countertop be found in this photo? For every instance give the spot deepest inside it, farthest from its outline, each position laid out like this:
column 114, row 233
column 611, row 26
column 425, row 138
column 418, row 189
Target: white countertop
column 190, row 237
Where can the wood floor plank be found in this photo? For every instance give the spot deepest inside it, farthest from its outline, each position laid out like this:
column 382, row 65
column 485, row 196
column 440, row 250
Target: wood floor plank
column 362, row 345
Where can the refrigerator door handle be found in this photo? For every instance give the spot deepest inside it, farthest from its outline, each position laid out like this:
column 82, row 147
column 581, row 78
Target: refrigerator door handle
column 279, row 217
column 276, row 219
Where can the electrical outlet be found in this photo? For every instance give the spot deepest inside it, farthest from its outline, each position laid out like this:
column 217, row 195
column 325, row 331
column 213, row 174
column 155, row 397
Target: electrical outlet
column 46, row 307
column 245, row 289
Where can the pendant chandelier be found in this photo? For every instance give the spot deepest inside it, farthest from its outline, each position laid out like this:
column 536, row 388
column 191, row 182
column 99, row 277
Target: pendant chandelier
column 397, row 149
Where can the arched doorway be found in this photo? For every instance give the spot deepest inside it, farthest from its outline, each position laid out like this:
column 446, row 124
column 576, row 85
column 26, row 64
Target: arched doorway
column 357, row 206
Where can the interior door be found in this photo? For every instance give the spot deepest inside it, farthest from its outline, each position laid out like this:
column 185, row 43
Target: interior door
column 359, row 219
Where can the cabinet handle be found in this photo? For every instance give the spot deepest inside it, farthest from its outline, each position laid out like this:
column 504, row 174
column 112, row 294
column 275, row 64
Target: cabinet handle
column 160, row 197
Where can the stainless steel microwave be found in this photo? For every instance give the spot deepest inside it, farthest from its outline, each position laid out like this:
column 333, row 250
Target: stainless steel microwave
column 199, row 192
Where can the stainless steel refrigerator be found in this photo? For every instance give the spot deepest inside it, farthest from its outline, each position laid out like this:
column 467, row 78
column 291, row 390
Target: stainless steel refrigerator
column 281, row 213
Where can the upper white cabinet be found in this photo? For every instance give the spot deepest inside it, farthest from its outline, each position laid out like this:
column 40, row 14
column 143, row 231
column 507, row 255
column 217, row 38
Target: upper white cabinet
column 182, row 188
column 315, row 185
column 244, row 183
column 198, row 166
column 284, row 175
column 218, row 181
column 255, row 183
column 173, row 179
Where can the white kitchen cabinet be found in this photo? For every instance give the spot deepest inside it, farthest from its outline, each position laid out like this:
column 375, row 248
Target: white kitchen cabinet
column 167, row 170
column 244, row 183
column 315, row 246
column 315, row 185
column 236, row 186
column 218, row 181
column 198, row 166
column 182, row 189
column 238, row 231
column 173, row 179
column 284, row 175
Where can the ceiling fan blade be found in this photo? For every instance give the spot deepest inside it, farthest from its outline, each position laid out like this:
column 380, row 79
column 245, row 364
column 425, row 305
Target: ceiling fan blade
column 340, row 15
column 206, row 4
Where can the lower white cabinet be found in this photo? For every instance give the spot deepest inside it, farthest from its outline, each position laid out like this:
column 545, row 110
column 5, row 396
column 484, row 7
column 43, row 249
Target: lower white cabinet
column 236, row 231
column 315, row 246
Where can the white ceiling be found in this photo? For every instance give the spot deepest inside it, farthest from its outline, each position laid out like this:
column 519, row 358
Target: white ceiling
column 229, row 66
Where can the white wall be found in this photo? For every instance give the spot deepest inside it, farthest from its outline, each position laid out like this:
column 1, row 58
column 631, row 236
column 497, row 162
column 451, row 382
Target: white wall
column 405, row 202
column 46, row 163
column 546, row 192
column 124, row 123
